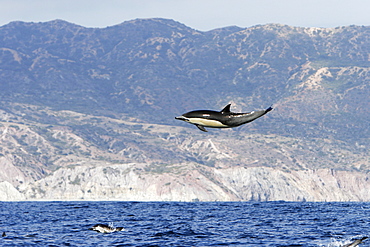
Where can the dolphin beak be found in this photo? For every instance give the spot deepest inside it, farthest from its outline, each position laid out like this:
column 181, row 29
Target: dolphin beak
column 181, row 118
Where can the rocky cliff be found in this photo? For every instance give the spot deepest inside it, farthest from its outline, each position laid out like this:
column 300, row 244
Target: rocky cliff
column 193, row 182
column 89, row 113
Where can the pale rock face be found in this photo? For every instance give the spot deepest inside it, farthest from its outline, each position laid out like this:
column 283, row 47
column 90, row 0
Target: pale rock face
column 120, row 182
column 192, row 182
column 268, row 184
column 9, row 193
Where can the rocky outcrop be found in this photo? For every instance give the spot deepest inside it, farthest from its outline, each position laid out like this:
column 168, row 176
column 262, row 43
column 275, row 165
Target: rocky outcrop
column 191, row 182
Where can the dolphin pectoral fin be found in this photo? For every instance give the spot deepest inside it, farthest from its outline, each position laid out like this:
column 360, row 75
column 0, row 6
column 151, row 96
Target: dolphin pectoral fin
column 201, row 128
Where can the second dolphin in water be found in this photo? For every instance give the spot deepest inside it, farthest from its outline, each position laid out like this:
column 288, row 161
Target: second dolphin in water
column 220, row 119
column 105, row 228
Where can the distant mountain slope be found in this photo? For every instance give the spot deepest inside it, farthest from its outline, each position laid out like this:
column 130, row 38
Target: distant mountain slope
column 155, row 69
column 73, row 96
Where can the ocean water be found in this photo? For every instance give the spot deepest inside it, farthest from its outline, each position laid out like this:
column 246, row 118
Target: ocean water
column 184, row 223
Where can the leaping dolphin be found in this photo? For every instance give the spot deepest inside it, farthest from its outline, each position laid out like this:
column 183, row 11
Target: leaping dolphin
column 222, row 119
column 356, row 242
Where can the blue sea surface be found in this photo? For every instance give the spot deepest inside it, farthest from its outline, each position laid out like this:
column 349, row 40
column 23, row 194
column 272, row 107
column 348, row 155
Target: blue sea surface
column 184, row 223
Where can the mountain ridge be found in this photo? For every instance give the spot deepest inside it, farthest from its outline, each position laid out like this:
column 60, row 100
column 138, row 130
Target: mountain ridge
column 95, row 97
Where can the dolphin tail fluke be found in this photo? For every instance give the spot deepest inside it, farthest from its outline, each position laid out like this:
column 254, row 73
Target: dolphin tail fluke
column 269, row 109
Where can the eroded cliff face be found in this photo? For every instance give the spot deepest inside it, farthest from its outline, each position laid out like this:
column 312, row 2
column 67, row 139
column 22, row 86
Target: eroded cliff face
column 192, row 182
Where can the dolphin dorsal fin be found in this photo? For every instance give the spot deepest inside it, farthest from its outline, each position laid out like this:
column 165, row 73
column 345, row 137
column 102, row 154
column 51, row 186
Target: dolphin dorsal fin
column 226, row 109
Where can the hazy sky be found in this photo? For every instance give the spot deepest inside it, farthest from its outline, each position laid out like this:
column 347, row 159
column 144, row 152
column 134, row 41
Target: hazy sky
column 199, row 14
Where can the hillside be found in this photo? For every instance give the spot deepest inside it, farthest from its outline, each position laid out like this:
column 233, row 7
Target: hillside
column 88, row 109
